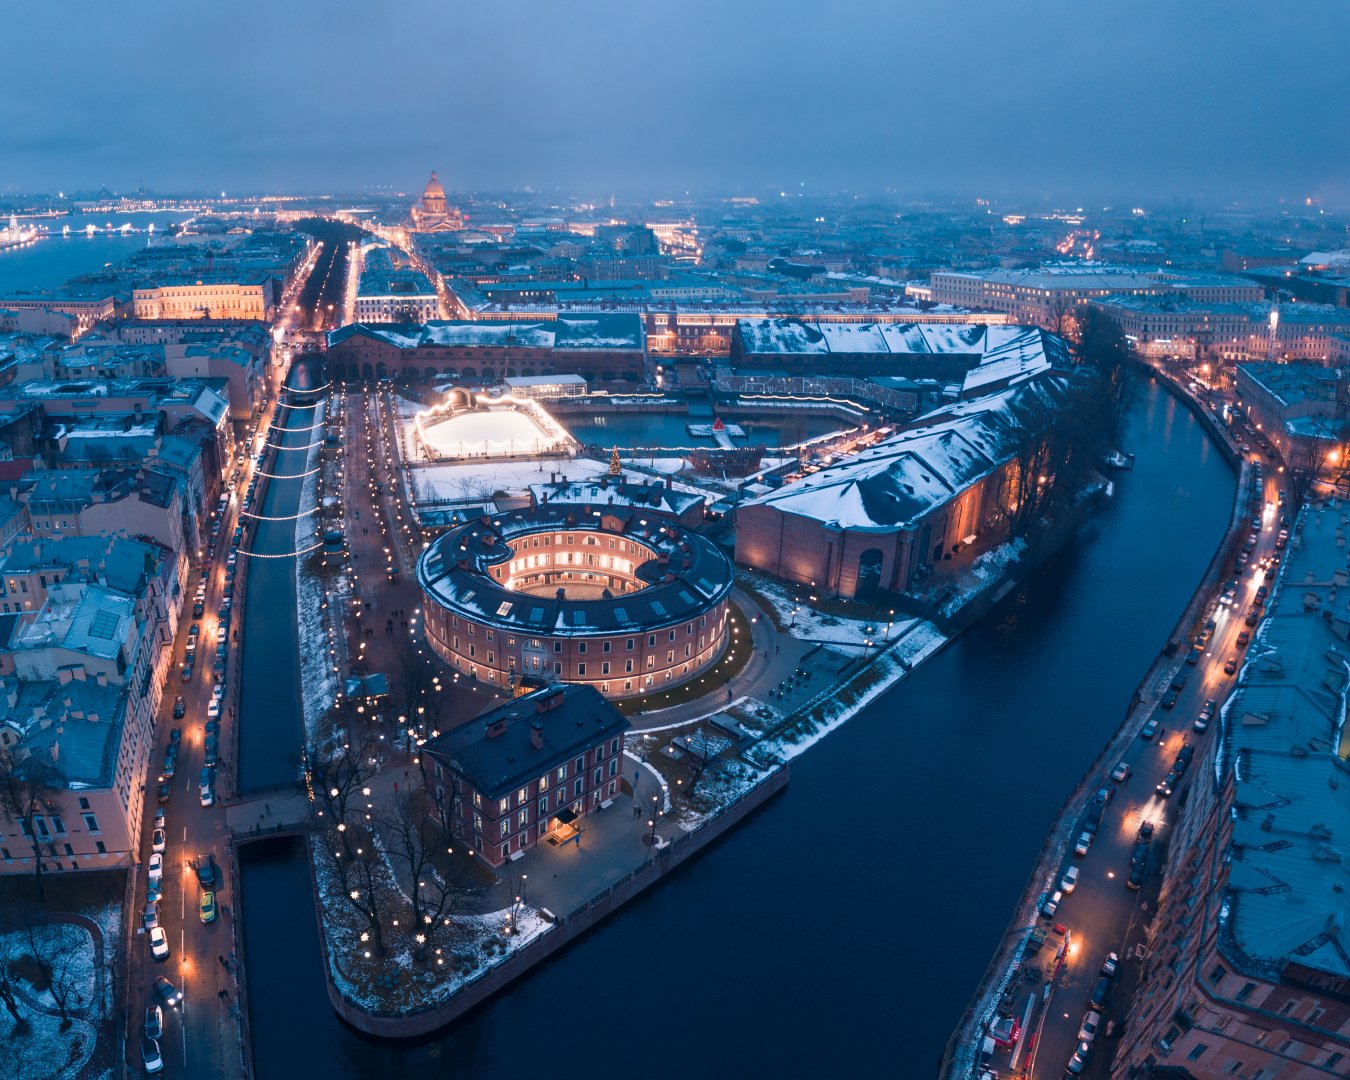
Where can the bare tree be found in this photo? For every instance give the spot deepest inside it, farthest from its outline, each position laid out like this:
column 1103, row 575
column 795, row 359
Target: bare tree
column 9, row 995
column 360, row 884
column 53, row 956
column 29, row 785
column 340, row 761
column 414, row 835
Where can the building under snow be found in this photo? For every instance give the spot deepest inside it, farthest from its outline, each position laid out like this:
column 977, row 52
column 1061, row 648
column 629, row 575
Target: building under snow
column 876, row 520
column 968, row 360
column 602, row 347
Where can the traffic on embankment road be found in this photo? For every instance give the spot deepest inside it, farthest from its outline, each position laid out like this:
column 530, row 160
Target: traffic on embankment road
column 1065, row 1008
column 182, row 948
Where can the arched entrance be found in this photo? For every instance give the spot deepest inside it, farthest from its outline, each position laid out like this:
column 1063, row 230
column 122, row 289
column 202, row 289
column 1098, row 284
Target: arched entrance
column 868, row 583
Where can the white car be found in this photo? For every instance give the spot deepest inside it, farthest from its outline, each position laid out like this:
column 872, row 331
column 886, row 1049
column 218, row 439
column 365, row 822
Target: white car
column 1121, row 772
column 157, row 839
column 159, row 943
column 222, row 632
column 1070, row 880
column 156, row 868
column 150, row 1055
column 1051, row 904
column 1084, row 842
column 1092, row 1021
column 213, row 709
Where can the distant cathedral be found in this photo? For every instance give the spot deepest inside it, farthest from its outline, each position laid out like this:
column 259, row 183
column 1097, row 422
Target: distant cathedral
column 432, row 214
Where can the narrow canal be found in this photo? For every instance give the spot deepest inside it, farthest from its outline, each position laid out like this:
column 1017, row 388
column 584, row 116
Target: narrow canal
column 269, row 688
column 842, row 930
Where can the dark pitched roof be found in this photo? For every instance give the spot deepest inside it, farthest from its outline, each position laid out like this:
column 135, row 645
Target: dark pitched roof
column 579, row 718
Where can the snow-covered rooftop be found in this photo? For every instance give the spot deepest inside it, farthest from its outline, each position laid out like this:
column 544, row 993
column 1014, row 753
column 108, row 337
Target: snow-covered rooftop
column 895, row 483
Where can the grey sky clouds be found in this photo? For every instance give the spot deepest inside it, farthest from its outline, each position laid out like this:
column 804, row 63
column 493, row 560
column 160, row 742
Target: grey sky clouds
column 1197, row 97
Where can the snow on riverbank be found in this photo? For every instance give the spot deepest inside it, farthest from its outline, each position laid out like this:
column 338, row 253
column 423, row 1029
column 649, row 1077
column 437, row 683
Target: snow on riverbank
column 842, row 703
column 981, row 574
column 803, row 620
column 318, row 680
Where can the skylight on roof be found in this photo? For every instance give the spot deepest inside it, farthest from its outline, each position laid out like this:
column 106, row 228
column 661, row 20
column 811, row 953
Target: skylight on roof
column 504, row 608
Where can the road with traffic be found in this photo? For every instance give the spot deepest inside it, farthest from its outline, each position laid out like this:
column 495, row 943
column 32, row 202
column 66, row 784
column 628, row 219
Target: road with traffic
column 202, row 1034
column 1103, row 913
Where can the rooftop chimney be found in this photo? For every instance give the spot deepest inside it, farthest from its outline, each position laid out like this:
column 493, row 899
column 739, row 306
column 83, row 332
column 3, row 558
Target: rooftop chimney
column 536, row 734
column 496, row 727
column 549, row 700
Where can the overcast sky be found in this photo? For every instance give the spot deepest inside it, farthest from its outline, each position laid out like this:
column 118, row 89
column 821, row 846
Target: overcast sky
column 1071, row 98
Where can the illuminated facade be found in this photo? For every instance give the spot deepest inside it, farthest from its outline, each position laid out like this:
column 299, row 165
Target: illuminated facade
column 432, row 214
column 627, row 602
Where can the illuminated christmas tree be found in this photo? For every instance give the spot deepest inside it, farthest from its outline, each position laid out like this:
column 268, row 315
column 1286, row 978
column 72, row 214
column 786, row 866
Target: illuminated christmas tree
column 615, row 466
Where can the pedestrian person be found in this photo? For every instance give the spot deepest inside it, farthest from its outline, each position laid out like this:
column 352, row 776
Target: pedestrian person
column 221, row 958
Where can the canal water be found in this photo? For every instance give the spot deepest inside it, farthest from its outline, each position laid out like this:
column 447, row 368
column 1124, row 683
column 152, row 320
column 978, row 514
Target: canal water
column 668, row 429
column 842, row 930
column 269, row 689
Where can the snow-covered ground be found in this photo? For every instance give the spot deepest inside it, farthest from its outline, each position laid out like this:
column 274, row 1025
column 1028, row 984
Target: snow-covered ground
column 479, row 943
column 318, row 680
column 45, row 1052
column 809, row 624
column 922, row 640
column 480, row 479
column 980, row 574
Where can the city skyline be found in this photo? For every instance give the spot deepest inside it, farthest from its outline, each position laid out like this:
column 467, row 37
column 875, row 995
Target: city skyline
column 1154, row 103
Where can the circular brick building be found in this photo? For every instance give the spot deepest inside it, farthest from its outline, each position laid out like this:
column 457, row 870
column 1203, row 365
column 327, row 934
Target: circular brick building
column 627, row 601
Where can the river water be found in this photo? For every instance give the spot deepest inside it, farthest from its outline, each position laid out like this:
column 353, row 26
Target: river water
column 841, row 930
column 56, row 259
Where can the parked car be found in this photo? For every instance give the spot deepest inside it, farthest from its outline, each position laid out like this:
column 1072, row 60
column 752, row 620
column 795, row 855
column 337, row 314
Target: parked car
column 1101, row 991
column 1244, row 639
column 156, row 866
column 206, row 908
column 185, row 672
column 205, row 865
column 1121, row 772
column 1092, row 1022
column 179, row 707
column 1136, row 878
column 1195, row 655
column 167, row 992
column 1149, row 730
column 1230, row 665
column 154, row 1022
column 1051, row 904
column 150, row 917
column 198, row 609
column 1080, row 1059
column 1084, row 842
column 1069, row 881
column 159, row 943
column 1111, row 965
column 150, row 1056
column 157, row 841
column 213, row 707
column 1169, row 699
column 207, row 787
column 1210, row 707
column 163, row 792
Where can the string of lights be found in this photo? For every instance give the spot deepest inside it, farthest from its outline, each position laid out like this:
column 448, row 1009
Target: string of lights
column 307, row 446
column 286, row 476
column 286, row 517
column 284, row 555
